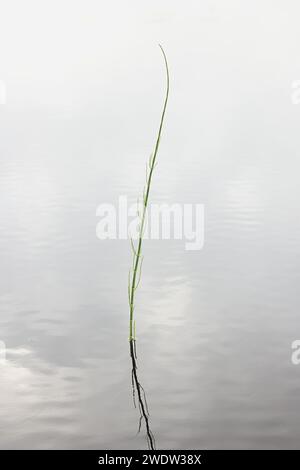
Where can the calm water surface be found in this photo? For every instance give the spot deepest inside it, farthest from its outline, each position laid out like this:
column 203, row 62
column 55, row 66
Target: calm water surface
column 215, row 326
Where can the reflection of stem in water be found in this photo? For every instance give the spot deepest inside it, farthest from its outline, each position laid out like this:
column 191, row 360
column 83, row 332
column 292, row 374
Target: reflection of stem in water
column 135, row 275
column 138, row 391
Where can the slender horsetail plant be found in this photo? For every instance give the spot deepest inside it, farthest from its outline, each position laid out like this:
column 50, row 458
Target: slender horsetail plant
column 135, row 276
column 135, row 272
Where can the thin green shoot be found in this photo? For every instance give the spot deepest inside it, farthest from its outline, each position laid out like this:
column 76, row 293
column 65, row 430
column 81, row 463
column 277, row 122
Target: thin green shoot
column 135, row 273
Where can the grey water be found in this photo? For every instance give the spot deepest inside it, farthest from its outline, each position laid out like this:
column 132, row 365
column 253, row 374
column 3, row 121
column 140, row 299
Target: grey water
column 214, row 326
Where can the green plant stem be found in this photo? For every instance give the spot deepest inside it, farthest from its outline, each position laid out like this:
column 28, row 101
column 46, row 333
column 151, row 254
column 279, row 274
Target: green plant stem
column 137, row 252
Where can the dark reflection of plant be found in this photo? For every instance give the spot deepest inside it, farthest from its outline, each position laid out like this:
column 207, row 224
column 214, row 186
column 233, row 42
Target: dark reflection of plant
column 139, row 397
column 135, row 272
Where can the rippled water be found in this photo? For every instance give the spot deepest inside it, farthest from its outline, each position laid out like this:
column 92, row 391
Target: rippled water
column 214, row 327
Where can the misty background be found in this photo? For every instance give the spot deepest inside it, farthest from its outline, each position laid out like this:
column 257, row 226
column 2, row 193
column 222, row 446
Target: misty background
column 85, row 83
